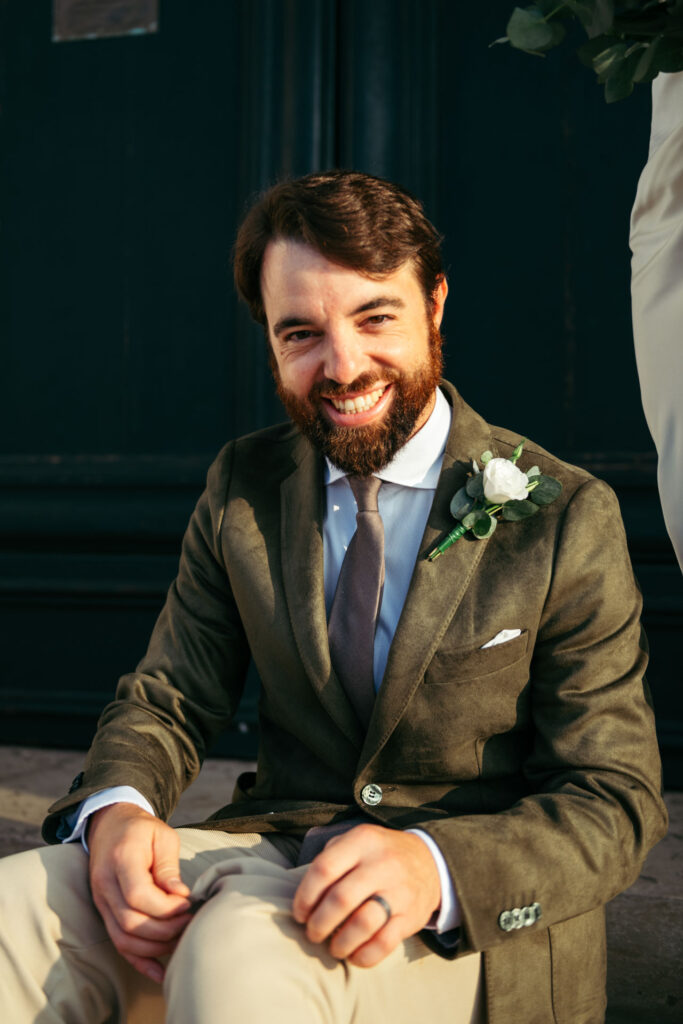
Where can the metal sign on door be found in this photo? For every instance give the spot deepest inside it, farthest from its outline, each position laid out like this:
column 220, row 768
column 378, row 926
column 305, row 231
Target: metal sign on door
column 98, row 19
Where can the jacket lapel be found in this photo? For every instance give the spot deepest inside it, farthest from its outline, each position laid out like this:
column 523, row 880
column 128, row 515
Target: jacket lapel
column 301, row 538
column 436, row 588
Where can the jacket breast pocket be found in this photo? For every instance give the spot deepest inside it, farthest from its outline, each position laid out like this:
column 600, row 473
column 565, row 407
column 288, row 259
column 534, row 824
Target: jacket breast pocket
column 467, row 696
column 458, row 664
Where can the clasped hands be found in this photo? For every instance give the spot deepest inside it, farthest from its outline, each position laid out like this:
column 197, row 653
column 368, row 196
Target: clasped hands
column 136, row 886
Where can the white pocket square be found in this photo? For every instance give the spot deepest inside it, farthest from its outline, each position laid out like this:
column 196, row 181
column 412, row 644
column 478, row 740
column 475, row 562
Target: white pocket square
column 503, row 637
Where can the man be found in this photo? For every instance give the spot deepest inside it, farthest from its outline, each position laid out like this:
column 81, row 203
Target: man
column 396, row 854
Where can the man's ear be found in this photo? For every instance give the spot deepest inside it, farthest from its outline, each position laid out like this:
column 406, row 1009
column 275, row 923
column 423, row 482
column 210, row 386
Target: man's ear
column 439, row 300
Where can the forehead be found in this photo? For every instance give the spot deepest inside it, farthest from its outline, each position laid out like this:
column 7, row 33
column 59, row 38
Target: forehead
column 293, row 272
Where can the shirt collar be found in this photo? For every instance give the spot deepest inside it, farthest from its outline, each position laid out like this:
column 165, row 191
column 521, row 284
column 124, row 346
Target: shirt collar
column 418, row 462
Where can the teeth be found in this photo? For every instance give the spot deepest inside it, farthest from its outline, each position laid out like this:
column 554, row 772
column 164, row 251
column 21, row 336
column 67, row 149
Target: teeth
column 360, row 404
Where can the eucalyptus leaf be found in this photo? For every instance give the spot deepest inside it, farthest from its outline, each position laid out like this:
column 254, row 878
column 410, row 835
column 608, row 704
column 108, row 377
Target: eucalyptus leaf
column 484, row 527
column 470, row 519
column 608, row 61
column 594, row 47
column 596, row 16
column 546, row 490
column 620, row 83
column 461, row 504
column 646, row 68
column 486, row 457
column 475, row 486
column 531, row 473
column 528, row 29
column 513, row 511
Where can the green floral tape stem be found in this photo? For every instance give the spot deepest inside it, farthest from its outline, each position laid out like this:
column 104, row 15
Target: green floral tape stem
column 456, row 533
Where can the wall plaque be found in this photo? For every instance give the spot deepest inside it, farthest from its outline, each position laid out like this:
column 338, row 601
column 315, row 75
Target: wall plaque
column 99, row 19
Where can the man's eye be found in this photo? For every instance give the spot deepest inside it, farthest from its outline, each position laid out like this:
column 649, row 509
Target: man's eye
column 378, row 318
column 302, row 335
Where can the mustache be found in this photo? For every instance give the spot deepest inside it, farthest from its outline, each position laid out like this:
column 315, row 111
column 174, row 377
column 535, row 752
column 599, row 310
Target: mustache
column 333, row 389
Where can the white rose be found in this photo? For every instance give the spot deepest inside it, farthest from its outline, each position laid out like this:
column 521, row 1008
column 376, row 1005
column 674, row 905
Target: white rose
column 504, row 482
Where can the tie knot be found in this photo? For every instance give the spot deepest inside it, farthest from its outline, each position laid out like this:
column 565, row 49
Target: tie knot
column 365, row 490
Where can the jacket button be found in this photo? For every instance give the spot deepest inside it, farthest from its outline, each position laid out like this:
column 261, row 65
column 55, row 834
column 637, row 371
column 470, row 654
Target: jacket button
column 506, row 921
column 371, row 794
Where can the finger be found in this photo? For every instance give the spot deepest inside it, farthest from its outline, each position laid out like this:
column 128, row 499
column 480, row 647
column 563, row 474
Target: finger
column 358, row 929
column 140, row 891
column 380, row 945
column 339, row 902
column 150, row 968
column 112, row 904
column 166, row 863
column 325, row 870
column 140, row 953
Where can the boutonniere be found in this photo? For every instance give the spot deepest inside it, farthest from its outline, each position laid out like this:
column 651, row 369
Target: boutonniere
column 498, row 491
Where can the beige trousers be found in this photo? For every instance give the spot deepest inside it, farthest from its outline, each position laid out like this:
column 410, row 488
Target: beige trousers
column 243, row 958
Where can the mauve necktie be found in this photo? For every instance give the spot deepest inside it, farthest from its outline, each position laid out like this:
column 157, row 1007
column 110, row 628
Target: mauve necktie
column 357, row 600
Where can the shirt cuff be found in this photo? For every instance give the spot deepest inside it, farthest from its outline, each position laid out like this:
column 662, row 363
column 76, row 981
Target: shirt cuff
column 448, row 915
column 72, row 826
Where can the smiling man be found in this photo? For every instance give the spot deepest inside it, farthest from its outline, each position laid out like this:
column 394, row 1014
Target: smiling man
column 457, row 765
column 357, row 365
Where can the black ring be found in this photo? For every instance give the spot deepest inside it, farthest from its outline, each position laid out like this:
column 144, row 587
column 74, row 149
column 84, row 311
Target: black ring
column 383, row 904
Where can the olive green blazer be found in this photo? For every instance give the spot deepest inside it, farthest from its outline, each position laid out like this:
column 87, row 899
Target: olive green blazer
column 533, row 764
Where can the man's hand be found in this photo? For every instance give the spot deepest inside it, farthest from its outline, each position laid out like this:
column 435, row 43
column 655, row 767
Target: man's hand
column 136, row 886
column 333, row 899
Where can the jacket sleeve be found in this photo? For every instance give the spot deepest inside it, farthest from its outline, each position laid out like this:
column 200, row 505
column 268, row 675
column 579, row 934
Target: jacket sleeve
column 155, row 733
column 594, row 806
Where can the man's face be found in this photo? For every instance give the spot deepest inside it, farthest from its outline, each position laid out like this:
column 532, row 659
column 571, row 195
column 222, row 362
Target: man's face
column 356, row 359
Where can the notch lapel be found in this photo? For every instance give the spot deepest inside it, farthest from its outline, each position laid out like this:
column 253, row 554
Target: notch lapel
column 301, row 538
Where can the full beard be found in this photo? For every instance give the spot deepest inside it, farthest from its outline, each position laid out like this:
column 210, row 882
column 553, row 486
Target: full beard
column 367, row 449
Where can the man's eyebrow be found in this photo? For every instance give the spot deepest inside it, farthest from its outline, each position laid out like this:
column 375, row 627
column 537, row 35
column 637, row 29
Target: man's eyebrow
column 381, row 300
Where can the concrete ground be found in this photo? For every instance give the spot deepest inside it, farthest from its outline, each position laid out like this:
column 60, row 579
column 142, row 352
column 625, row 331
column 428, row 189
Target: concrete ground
column 645, row 924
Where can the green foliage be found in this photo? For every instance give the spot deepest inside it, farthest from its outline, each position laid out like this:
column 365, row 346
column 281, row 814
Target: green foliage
column 628, row 42
column 545, row 491
column 461, row 504
column 517, row 452
column 484, row 525
column 470, row 519
column 528, row 29
column 513, row 511
column 475, row 486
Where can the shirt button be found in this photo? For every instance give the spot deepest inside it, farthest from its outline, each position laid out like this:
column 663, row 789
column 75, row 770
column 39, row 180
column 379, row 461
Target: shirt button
column 371, row 794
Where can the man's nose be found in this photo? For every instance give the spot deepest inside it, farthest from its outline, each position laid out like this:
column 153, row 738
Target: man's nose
column 344, row 358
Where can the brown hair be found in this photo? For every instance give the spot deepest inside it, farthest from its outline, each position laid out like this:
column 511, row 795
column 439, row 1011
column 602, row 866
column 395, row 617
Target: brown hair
column 364, row 223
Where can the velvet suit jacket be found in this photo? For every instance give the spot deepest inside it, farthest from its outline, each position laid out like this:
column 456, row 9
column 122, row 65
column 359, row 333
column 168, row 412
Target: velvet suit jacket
column 532, row 764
